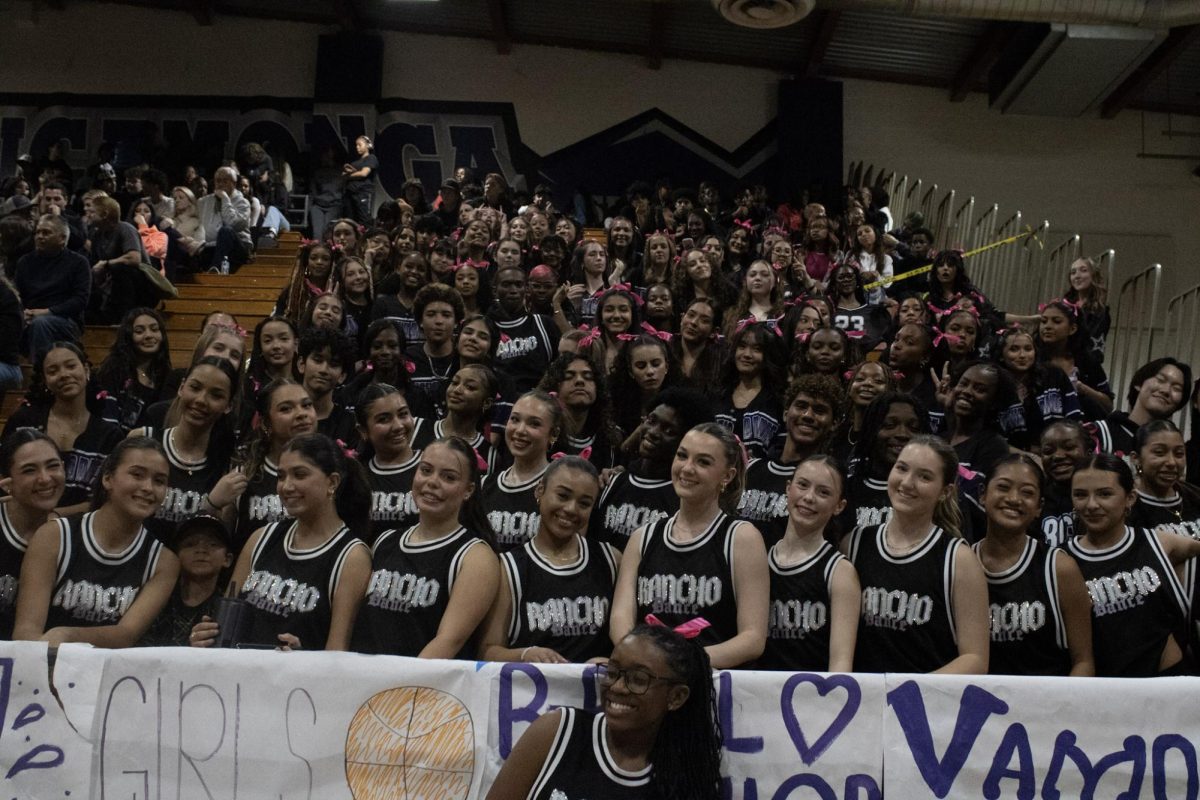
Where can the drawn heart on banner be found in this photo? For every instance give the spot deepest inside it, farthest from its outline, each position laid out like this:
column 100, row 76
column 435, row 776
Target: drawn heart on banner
column 824, row 685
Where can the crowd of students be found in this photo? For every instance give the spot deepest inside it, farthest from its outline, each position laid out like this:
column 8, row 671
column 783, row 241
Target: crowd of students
column 468, row 431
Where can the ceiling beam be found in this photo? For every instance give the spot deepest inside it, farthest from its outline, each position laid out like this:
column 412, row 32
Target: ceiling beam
column 202, row 10
column 1177, row 41
column 980, row 61
column 826, row 22
column 500, row 34
column 660, row 13
column 348, row 15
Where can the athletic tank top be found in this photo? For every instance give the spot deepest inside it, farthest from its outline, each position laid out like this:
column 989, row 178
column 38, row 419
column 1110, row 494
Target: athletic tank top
column 511, row 508
column 410, row 590
column 764, row 501
column 291, row 590
column 187, row 485
column 12, row 553
column 907, row 622
column 1057, row 523
column 563, row 607
column 867, row 504
column 93, row 587
column 756, row 424
column 259, row 505
column 579, row 765
column 628, row 503
column 1028, row 634
column 527, row 347
column 798, row 625
column 392, row 504
column 679, row 581
column 1137, row 602
column 426, row 434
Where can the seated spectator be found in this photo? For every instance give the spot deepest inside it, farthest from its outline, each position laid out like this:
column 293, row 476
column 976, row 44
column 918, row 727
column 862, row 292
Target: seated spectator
column 155, row 185
column 53, row 200
column 205, row 553
column 117, row 258
column 54, row 285
column 10, row 336
column 225, row 218
column 16, row 233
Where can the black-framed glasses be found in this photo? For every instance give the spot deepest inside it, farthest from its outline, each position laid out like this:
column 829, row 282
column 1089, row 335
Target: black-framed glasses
column 637, row 680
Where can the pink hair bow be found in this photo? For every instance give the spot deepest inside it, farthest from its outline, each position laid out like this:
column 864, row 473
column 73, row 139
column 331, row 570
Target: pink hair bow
column 744, row 323
column 745, row 452
column 101, row 395
column 480, row 462
column 897, row 375
column 410, row 366
column 625, row 287
column 949, row 338
column 688, row 630
column 309, row 242
column 592, row 335
column 746, row 224
column 369, row 367
column 657, row 334
column 347, row 451
column 967, row 474
column 848, row 375
column 470, row 262
column 504, row 338
column 659, row 233
column 802, row 336
column 855, row 334
column 626, row 337
column 586, row 453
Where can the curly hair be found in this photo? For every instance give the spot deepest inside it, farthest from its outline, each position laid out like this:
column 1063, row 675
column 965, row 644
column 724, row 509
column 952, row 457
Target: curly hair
column 599, row 417
column 121, row 364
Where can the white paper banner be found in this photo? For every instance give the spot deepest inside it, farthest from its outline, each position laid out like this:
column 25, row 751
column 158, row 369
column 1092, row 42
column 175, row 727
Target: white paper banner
column 952, row 736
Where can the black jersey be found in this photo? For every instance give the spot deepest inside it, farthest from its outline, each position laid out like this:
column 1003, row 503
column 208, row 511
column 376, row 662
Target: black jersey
column 125, row 406
column 679, row 581
column 389, row 307
column 628, row 503
column 527, row 346
column 563, row 607
column 188, row 484
column 1056, row 399
column 291, row 590
column 426, row 433
column 1057, row 523
column 798, row 625
column 1177, row 514
column 764, row 501
column 511, row 508
column 1117, row 434
column 82, row 462
column 1028, row 634
column 93, row 587
column 12, row 553
column 867, row 503
column 259, row 505
column 908, row 620
column 1137, row 602
column 594, row 448
column 340, row 426
column 757, row 424
column 430, row 376
column 580, row 765
column 392, row 504
column 410, row 588
column 869, row 324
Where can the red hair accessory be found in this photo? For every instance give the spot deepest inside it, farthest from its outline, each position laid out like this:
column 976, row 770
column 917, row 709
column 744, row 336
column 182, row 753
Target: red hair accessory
column 469, row 263
column 967, row 474
column 848, row 375
column 592, row 335
column 101, row 395
column 1071, row 308
column 652, row 331
column 688, row 630
column 744, row 223
column 745, row 452
column 660, row 232
column 410, row 366
column 949, row 338
column 586, row 453
column 744, row 323
column 802, row 336
column 504, row 338
column 626, row 337
column 347, row 451
column 309, row 242
column 625, row 287
column 481, row 463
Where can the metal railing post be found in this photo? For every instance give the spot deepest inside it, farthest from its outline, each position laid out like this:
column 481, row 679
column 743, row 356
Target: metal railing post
column 1132, row 334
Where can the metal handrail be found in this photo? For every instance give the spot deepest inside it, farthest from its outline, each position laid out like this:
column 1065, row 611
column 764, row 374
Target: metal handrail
column 1058, row 262
column 942, row 218
column 1131, row 340
column 1181, row 338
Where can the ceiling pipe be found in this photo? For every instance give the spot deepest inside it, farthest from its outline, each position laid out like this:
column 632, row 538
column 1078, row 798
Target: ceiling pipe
column 1155, row 14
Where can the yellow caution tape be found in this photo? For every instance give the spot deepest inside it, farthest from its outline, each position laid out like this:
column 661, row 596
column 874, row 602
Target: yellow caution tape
column 887, row 281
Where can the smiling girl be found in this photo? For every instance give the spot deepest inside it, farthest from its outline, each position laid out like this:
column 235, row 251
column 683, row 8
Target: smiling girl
column 917, row 554
column 131, row 573
column 1040, row 608
column 136, row 369
column 724, row 558
column 534, row 424
column 445, row 560
column 556, row 589
column 749, row 403
column 814, row 589
column 31, row 474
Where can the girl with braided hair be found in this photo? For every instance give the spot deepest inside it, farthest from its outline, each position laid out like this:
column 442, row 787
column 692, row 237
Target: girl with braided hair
column 656, row 737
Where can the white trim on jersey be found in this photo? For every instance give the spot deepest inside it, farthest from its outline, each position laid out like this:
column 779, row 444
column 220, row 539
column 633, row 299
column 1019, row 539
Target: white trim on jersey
column 558, row 748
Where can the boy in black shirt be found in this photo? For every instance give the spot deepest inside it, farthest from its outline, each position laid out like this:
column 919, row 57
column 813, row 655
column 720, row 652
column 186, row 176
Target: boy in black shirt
column 205, row 555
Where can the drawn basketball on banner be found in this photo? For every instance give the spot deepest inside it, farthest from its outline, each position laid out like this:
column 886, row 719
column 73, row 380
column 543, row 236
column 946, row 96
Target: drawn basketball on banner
column 411, row 743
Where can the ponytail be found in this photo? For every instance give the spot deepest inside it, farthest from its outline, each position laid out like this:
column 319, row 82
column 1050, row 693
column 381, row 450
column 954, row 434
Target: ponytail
column 946, row 513
column 472, row 515
column 735, row 456
column 352, row 498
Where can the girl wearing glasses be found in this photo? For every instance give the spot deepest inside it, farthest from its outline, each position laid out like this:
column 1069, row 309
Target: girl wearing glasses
column 656, row 735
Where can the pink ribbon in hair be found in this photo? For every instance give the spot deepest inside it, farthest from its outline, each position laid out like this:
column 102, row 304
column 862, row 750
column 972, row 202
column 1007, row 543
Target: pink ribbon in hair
column 1071, row 308
column 659, row 233
column 504, row 338
column 470, row 262
column 745, row 452
column 688, row 630
column 744, row 323
column 848, row 375
column 625, row 287
column 101, row 395
column 309, row 242
column 948, row 338
column 855, row 334
column 480, row 462
column 657, row 334
column 592, row 335
column 585, row 454
column 967, row 474
column 746, row 224
column 347, row 451
column 410, row 366
column 626, row 337
column 802, row 336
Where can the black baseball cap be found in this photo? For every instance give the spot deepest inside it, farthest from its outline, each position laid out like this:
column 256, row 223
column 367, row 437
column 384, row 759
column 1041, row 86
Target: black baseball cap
column 204, row 523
